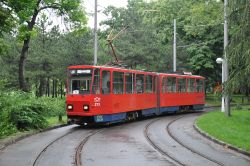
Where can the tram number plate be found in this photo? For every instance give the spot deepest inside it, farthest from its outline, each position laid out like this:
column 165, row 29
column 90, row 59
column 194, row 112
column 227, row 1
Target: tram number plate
column 99, row 118
column 97, row 101
column 97, row 104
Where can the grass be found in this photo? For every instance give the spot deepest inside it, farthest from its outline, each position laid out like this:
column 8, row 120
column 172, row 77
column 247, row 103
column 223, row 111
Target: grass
column 215, row 99
column 54, row 120
column 234, row 130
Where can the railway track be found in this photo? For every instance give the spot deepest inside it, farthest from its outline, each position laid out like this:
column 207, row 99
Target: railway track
column 51, row 143
column 183, row 145
column 79, row 148
column 169, row 158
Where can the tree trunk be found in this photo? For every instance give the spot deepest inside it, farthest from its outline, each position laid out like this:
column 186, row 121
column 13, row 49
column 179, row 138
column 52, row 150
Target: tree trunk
column 24, row 53
column 23, row 56
column 61, row 89
column 53, row 88
column 41, row 86
column 48, row 87
column 37, row 90
column 56, row 88
column 247, row 94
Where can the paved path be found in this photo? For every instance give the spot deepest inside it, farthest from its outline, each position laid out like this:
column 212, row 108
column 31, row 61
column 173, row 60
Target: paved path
column 160, row 141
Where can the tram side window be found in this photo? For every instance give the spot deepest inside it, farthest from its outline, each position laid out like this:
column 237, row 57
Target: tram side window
column 105, row 82
column 191, row 85
column 96, row 83
column 118, row 82
column 171, row 84
column 139, row 83
column 164, row 85
column 199, row 85
column 149, row 84
column 181, row 85
column 129, row 83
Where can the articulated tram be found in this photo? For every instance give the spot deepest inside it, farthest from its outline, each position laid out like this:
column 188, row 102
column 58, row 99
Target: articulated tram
column 101, row 94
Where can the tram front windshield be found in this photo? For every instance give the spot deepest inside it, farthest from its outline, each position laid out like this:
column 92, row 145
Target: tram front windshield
column 80, row 81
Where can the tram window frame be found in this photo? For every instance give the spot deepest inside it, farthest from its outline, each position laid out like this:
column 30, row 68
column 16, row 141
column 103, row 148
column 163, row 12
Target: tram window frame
column 164, row 87
column 171, row 84
column 118, row 82
column 80, row 86
column 80, row 81
column 154, row 84
column 96, row 81
column 149, row 84
column 106, row 87
column 130, row 83
column 199, row 85
column 182, row 85
column 140, row 86
column 191, row 85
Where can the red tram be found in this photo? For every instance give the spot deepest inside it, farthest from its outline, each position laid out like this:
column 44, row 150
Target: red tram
column 100, row 94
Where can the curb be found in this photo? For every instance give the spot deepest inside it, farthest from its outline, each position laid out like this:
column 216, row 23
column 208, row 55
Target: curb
column 226, row 145
column 12, row 141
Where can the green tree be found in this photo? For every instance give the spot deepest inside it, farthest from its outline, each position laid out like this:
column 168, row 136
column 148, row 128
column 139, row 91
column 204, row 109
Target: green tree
column 27, row 13
column 238, row 48
column 204, row 30
column 7, row 22
column 199, row 33
column 52, row 52
column 138, row 46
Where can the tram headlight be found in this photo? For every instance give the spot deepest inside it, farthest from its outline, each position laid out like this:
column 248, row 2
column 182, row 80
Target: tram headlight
column 85, row 107
column 70, row 107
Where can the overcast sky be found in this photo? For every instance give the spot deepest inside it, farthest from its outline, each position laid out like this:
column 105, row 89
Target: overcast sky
column 102, row 4
column 89, row 8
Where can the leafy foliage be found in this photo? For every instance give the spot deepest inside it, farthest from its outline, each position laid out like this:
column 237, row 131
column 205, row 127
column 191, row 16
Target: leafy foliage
column 148, row 40
column 138, row 47
column 28, row 116
column 27, row 12
column 7, row 21
column 23, row 111
column 238, row 49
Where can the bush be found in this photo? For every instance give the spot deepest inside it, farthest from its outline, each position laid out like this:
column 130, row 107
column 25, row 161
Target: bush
column 7, row 129
column 55, row 106
column 28, row 116
column 23, row 111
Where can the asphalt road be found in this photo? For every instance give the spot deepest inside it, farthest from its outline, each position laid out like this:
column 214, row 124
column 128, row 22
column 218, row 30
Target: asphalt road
column 159, row 141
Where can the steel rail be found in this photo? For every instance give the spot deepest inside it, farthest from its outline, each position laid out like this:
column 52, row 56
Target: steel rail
column 170, row 158
column 79, row 148
column 46, row 147
column 191, row 149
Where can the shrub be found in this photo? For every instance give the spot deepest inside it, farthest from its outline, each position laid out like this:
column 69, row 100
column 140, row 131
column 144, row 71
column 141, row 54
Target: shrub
column 28, row 116
column 23, row 111
column 7, row 129
column 55, row 106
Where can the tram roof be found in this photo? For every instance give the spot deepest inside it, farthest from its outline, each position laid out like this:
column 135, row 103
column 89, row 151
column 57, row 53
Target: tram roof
column 133, row 70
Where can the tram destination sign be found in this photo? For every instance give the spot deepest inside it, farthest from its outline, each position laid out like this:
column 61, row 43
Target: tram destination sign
column 80, row 72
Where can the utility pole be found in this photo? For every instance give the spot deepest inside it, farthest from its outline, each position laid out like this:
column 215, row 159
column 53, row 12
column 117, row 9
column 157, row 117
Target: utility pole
column 226, row 94
column 223, row 81
column 95, row 35
column 174, row 48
